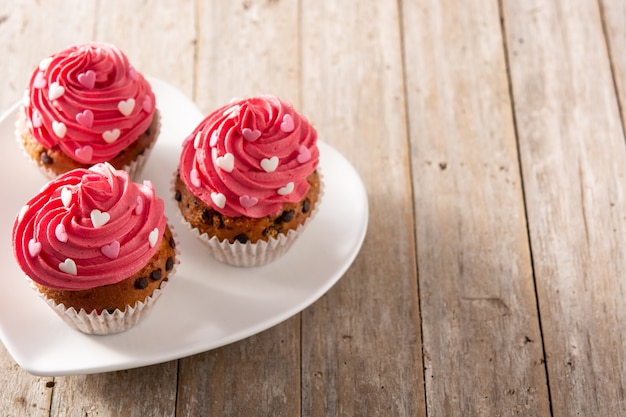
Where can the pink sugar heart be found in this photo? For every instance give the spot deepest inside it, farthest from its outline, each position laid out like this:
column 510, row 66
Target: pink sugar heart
column 36, row 119
column 250, row 135
column 139, row 206
column 287, row 125
column 132, row 72
column 112, row 250
column 87, row 79
column 40, row 81
column 146, row 104
column 34, row 248
column 68, row 266
column 84, row 154
column 195, row 178
column 247, row 201
column 85, row 118
column 303, row 154
column 60, row 233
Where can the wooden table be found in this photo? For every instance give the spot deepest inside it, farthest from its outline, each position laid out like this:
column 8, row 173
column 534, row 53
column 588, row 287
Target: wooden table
column 490, row 137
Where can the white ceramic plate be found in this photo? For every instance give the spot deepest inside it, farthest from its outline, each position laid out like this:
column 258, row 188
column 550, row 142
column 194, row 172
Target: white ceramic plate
column 206, row 304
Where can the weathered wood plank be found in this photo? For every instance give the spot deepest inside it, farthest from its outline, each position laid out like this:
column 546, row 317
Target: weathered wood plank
column 361, row 343
column 614, row 18
column 482, row 342
column 246, row 48
column 149, row 391
column 574, row 169
column 22, row 46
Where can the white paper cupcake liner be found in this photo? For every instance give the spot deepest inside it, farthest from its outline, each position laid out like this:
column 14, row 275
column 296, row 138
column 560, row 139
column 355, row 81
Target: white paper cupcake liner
column 134, row 168
column 249, row 254
column 106, row 322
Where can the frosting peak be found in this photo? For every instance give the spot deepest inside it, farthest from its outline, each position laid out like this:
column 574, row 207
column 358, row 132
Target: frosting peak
column 88, row 228
column 88, row 100
column 250, row 157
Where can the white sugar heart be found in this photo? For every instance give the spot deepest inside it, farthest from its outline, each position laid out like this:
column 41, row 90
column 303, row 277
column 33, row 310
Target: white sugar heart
column 126, row 106
column 59, row 129
column 219, row 199
column 40, row 80
column 195, row 178
column 214, row 138
column 45, row 63
column 99, row 218
column 34, row 248
column 287, row 189
column 68, row 266
column 196, row 140
column 26, row 98
column 66, row 197
column 112, row 250
column 226, row 162
column 60, row 233
column 55, row 91
column 111, row 136
column 269, row 165
column 22, row 213
column 232, row 111
column 153, row 237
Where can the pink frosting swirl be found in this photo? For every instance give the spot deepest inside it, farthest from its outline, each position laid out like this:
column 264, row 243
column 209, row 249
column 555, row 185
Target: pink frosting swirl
column 250, row 157
column 88, row 228
column 88, row 100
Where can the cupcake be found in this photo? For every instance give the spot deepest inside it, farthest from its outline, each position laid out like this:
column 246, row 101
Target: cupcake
column 96, row 247
column 247, row 182
column 84, row 105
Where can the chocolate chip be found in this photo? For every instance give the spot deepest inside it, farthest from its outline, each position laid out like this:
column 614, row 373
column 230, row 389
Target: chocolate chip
column 141, row 283
column 111, row 310
column 148, row 130
column 306, row 206
column 45, row 158
column 178, row 196
column 172, row 242
column 242, row 237
column 287, row 216
column 169, row 264
column 155, row 275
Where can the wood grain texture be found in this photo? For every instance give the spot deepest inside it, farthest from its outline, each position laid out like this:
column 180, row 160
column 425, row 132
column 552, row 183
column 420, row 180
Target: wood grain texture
column 574, row 168
column 482, row 344
column 246, row 48
column 136, row 392
column 23, row 394
column 361, row 353
column 614, row 19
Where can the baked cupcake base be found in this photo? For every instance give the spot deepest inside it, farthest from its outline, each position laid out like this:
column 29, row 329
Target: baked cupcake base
column 53, row 162
column 244, row 241
column 117, row 307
